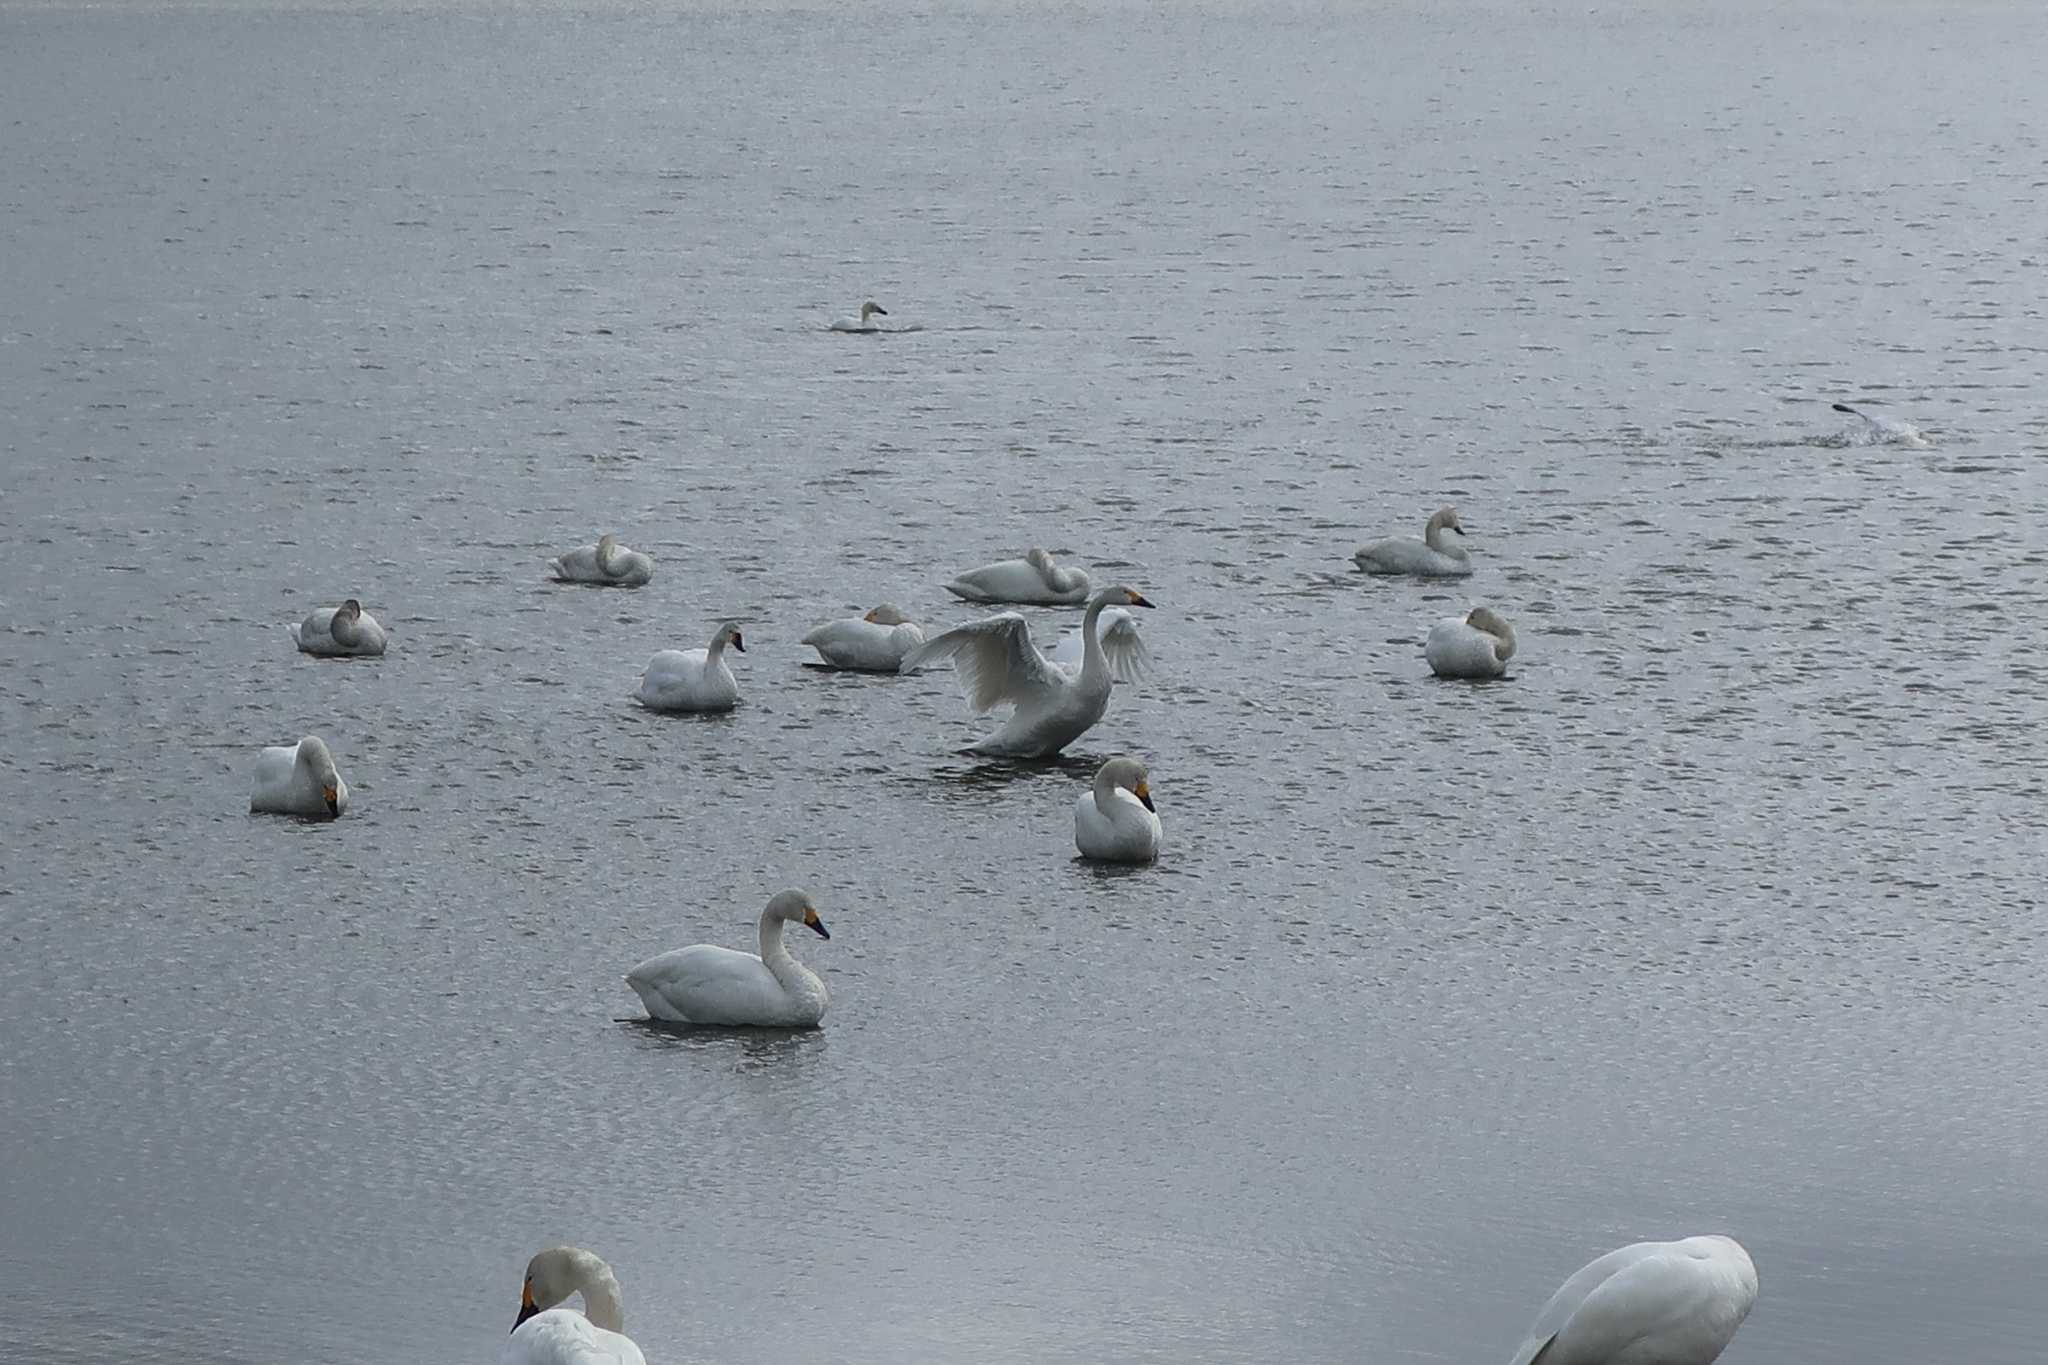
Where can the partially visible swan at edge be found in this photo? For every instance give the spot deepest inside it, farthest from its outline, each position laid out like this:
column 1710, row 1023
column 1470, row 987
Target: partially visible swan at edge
column 1432, row 556
column 1129, row 659
column 1475, row 645
column 544, row 1334
column 998, row 662
column 1033, row 580
column 340, row 631
column 1650, row 1303
column 874, row 643
column 606, row 562
column 298, row 779
column 693, row 679
column 861, row 323
column 1115, row 820
column 707, row 984
column 1875, row 429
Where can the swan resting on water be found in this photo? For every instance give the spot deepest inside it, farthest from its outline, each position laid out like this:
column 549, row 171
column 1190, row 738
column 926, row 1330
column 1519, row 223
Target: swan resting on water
column 693, row 679
column 707, row 984
column 1475, row 645
column 1650, row 1303
column 1432, row 556
column 861, row 323
column 1033, row 580
column 874, row 643
column 346, row 630
column 298, row 779
column 606, row 562
column 544, row 1334
column 1115, row 821
column 997, row 662
column 1129, row 659
column 1875, row 429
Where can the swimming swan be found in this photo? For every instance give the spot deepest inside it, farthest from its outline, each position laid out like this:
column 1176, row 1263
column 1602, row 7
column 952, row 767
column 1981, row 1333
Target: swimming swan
column 606, row 562
column 337, row 631
column 298, row 779
column 861, row 323
column 693, row 679
column 707, row 984
column 1431, row 556
column 875, row 643
column 1652, row 1303
column 1034, row 580
column 997, row 662
column 1116, row 821
column 1877, row 430
column 1475, row 645
column 1129, row 659
column 543, row 1334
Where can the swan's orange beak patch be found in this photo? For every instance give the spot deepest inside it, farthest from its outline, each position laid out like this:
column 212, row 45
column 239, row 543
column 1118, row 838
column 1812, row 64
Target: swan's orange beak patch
column 1138, row 600
column 333, row 799
column 527, row 1307
column 812, row 922
column 1143, row 791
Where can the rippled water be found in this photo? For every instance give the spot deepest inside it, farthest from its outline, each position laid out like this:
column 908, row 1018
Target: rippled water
column 1723, row 913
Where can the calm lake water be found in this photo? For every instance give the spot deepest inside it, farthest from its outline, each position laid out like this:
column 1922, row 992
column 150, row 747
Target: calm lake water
column 1723, row 914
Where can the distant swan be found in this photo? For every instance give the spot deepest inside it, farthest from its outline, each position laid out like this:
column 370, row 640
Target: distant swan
column 707, row 984
column 1873, row 429
column 874, row 643
column 343, row 630
column 298, row 779
column 1129, row 659
column 543, row 1334
column 1651, row 1303
column 1116, row 821
column 693, row 679
column 1034, row 580
column 1475, row 645
column 1432, row 556
column 606, row 562
column 861, row 323
column 997, row 662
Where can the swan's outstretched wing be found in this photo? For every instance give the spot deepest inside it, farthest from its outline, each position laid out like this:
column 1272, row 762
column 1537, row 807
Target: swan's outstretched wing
column 1129, row 659
column 995, row 659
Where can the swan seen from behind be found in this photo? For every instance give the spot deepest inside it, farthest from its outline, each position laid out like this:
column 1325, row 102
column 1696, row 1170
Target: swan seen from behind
column 545, row 1334
column 1433, row 556
column 1033, row 580
column 1649, row 1303
column 1115, row 821
column 874, row 643
column 707, row 984
column 870, row 309
column 1475, row 645
column 607, row 563
column 298, row 779
column 693, row 679
column 339, row 632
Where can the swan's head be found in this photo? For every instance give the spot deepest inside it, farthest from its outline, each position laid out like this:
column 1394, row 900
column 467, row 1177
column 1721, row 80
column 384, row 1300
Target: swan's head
column 606, row 545
column 729, row 634
column 315, row 759
column 1128, row 774
column 1496, row 625
column 351, row 610
column 888, row 614
column 1445, row 518
column 795, row 907
column 1038, row 559
column 555, row 1274
column 1120, row 597
column 870, row 308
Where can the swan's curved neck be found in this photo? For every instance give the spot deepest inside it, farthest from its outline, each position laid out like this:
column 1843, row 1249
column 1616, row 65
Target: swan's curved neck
column 773, row 952
column 717, row 650
column 1433, row 535
column 1105, row 792
column 601, row 1303
column 1093, row 661
column 346, row 629
column 608, row 555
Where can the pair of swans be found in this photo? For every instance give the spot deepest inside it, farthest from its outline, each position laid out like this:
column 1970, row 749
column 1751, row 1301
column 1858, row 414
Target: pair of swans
column 1433, row 556
column 298, row 779
column 545, row 1334
column 693, row 679
column 1649, row 1303
column 707, row 984
column 870, row 309
column 607, row 563
column 1475, row 645
column 340, row 632
column 1033, row 581
column 1115, row 820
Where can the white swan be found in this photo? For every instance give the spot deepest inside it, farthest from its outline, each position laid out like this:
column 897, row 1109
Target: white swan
column 1652, row 1303
column 1475, row 645
column 1033, row 580
column 875, row 643
column 693, row 679
column 343, row 630
column 1129, row 659
column 861, row 323
column 606, row 562
column 543, row 1334
column 1115, row 821
column 997, row 662
column 298, row 779
column 1432, row 556
column 707, row 984
column 1874, row 429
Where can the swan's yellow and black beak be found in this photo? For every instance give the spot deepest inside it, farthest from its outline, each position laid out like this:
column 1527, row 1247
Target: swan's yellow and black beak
column 333, row 799
column 527, row 1307
column 811, row 921
column 870, row 617
column 738, row 643
column 1143, row 791
column 1138, row 600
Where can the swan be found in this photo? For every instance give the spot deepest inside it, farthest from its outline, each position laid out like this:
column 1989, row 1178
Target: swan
column 1034, row 580
column 861, row 323
column 606, row 562
column 1116, row 821
column 707, row 984
column 693, row 679
column 875, row 643
column 1652, row 1303
column 1129, row 659
column 1475, row 645
column 298, row 779
column 1430, row 556
column 1877, row 430
column 998, row 663
column 543, row 1334
column 343, row 630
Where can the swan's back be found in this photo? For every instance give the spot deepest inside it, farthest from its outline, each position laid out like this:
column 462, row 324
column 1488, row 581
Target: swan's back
column 863, row 644
column 687, row 680
column 563, row 1336
column 1408, row 555
column 1455, row 649
column 1020, row 580
column 1649, row 1303
column 709, row 984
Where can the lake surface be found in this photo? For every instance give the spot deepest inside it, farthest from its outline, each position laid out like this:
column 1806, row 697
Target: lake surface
column 1724, row 913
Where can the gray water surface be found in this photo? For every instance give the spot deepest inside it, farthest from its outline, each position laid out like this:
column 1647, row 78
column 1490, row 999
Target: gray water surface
column 1722, row 914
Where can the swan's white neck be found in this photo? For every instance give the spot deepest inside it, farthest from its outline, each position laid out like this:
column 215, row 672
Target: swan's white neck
column 345, row 630
column 601, row 1303
column 1094, row 663
column 1433, row 536
column 717, row 650
column 773, row 953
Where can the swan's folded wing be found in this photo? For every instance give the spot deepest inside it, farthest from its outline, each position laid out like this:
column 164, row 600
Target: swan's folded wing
column 1656, row 1296
column 1129, row 659
column 995, row 659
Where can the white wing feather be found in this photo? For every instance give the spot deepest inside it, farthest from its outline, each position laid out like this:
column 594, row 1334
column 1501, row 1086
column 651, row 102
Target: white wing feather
column 995, row 658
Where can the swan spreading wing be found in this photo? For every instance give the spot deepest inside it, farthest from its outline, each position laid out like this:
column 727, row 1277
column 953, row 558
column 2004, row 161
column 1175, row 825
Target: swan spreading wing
column 996, row 661
column 1122, row 644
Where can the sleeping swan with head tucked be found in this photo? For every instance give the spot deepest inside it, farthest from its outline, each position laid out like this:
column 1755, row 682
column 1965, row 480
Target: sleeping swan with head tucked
column 1475, row 645
column 606, row 563
column 544, row 1334
column 1033, row 580
column 874, row 643
column 1649, row 1303
column 346, row 630
column 1432, row 556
